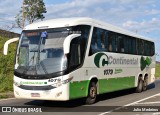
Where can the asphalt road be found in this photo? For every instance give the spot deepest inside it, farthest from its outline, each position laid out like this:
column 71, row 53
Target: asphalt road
column 121, row 103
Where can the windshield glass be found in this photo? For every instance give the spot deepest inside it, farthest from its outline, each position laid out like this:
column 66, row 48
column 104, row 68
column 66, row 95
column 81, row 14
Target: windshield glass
column 41, row 51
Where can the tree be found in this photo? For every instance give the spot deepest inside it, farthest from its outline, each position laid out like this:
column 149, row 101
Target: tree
column 19, row 20
column 32, row 10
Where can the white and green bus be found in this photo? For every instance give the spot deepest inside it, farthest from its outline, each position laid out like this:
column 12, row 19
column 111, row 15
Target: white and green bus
column 70, row 58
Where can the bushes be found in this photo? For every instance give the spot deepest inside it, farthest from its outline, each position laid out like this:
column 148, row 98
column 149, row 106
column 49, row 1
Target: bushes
column 157, row 70
column 6, row 66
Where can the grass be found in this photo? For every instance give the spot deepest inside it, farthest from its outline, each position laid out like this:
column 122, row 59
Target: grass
column 6, row 66
column 157, row 70
column 3, row 96
column 6, row 95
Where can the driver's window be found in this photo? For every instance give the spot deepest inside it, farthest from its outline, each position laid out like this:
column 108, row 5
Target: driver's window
column 78, row 47
column 75, row 53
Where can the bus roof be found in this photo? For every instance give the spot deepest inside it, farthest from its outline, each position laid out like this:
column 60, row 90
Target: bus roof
column 65, row 22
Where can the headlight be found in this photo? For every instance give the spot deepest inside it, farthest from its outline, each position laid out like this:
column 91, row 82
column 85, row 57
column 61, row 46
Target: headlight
column 59, row 83
column 67, row 80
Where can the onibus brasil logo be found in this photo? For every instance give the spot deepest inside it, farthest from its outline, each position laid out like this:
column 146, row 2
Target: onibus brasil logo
column 101, row 59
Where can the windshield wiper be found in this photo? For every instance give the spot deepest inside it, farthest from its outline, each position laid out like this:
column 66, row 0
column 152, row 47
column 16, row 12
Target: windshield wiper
column 38, row 57
column 27, row 68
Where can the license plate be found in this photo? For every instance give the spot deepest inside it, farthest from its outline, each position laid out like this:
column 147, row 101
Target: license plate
column 35, row 95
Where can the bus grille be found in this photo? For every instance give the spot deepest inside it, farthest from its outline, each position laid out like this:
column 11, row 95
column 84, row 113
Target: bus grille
column 49, row 87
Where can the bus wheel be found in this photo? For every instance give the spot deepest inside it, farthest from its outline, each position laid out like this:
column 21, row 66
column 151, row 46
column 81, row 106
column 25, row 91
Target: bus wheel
column 92, row 93
column 140, row 86
column 145, row 83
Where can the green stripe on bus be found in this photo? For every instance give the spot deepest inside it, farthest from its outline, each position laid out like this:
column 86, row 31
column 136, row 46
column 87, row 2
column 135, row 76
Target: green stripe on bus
column 115, row 84
column 78, row 89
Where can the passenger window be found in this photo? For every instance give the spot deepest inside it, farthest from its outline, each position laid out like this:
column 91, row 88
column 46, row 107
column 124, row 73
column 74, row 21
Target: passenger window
column 130, row 45
column 133, row 46
column 98, row 41
column 139, row 48
column 152, row 47
column 121, row 43
column 126, row 44
column 104, row 40
column 112, row 42
column 142, row 47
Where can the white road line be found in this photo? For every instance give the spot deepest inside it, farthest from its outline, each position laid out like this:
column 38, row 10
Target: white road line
column 149, row 102
column 7, row 99
column 130, row 104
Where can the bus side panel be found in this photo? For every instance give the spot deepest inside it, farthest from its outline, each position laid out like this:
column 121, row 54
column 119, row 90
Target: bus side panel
column 115, row 84
column 78, row 89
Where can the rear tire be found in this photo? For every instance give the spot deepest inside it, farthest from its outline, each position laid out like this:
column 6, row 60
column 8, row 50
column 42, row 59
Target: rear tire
column 145, row 83
column 92, row 93
column 140, row 86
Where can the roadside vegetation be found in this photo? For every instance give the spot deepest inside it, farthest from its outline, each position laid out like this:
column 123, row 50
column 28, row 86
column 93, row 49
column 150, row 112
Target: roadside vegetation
column 6, row 67
column 157, row 70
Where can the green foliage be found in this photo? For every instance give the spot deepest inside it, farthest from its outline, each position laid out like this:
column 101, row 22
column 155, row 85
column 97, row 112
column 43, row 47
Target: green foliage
column 6, row 66
column 157, row 70
column 19, row 19
column 33, row 10
column 3, row 96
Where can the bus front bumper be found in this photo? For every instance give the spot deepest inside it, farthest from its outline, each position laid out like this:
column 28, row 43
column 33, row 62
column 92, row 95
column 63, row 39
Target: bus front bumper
column 46, row 89
column 60, row 93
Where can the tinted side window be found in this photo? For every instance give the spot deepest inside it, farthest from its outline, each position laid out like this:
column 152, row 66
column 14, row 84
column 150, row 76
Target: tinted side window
column 149, row 48
column 146, row 47
column 99, row 41
column 139, row 46
column 142, row 47
column 75, row 53
column 104, row 37
column 112, row 42
column 131, row 45
column 134, row 50
column 84, row 30
column 120, row 42
column 152, row 47
column 104, row 40
column 78, row 47
column 126, row 44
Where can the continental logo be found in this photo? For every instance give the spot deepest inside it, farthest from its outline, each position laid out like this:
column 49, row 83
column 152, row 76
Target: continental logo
column 145, row 62
column 101, row 59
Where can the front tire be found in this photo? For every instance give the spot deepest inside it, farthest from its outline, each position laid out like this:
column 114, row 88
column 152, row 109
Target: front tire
column 92, row 93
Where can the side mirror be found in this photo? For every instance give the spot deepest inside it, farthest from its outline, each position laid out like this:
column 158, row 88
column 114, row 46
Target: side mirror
column 67, row 42
column 5, row 50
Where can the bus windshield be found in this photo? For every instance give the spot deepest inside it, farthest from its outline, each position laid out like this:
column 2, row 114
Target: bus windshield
column 41, row 51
